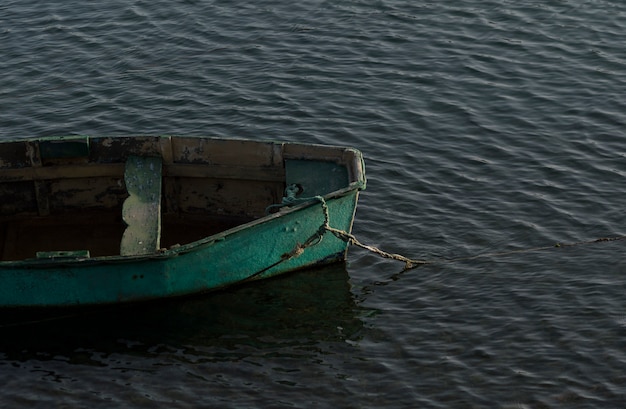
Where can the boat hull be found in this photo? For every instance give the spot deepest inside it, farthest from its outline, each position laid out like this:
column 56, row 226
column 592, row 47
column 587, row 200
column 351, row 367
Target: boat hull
column 291, row 239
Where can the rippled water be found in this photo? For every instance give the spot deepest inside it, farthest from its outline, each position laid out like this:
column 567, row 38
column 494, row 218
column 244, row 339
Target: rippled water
column 487, row 127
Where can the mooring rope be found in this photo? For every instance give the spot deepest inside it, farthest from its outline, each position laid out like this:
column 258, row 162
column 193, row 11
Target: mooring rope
column 410, row 263
column 289, row 199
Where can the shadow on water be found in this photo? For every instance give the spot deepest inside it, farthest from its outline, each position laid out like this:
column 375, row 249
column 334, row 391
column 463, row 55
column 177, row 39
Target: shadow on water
column 305, row 307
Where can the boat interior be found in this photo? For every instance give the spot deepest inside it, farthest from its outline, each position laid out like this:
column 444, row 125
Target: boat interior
column 106, row 196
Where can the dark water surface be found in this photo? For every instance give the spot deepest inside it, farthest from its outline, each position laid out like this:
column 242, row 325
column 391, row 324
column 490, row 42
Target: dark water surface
column 487, row 127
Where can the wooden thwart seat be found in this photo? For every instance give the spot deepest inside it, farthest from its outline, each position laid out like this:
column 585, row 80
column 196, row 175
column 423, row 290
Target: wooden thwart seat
column 141, row 211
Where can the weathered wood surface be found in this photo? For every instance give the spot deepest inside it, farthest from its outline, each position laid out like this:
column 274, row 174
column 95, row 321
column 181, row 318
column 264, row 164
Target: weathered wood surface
column 260, row 173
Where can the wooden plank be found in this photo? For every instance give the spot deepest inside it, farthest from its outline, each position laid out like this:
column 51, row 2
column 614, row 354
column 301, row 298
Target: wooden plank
column 85, row 193
column 117, row 149
column 261, row 173
column 64, row 147
column 167, row 154
column 225, row 152
column 142, row 209
column 227, row 197
column 64, row 254
column 62, row 172
column 257, row 173
column 32, row 151
column 171, row 195
column 316, row 152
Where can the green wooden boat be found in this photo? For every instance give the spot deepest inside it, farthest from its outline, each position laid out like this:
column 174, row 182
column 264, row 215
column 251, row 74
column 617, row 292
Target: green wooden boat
column 107, row 220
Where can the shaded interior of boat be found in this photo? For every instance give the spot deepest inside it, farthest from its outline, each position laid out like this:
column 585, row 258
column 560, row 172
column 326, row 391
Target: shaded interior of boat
column 67, row 195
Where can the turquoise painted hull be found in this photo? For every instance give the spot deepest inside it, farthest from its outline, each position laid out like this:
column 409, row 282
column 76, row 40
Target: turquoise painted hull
column 265, row 247
column 249, row 252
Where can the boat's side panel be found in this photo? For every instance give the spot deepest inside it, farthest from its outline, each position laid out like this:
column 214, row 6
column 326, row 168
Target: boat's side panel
column 223, row 177
column 267, row 249
column 221, row 197
column 257, row 251
column 226, row 152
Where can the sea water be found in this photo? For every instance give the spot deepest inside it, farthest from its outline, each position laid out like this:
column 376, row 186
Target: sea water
column 489, row 128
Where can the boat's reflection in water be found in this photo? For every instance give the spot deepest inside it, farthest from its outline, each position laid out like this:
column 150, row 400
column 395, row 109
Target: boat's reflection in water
column 303, row 308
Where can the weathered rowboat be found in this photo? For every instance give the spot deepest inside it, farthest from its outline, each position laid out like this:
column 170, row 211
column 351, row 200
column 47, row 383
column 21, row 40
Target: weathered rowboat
column 106, row 220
